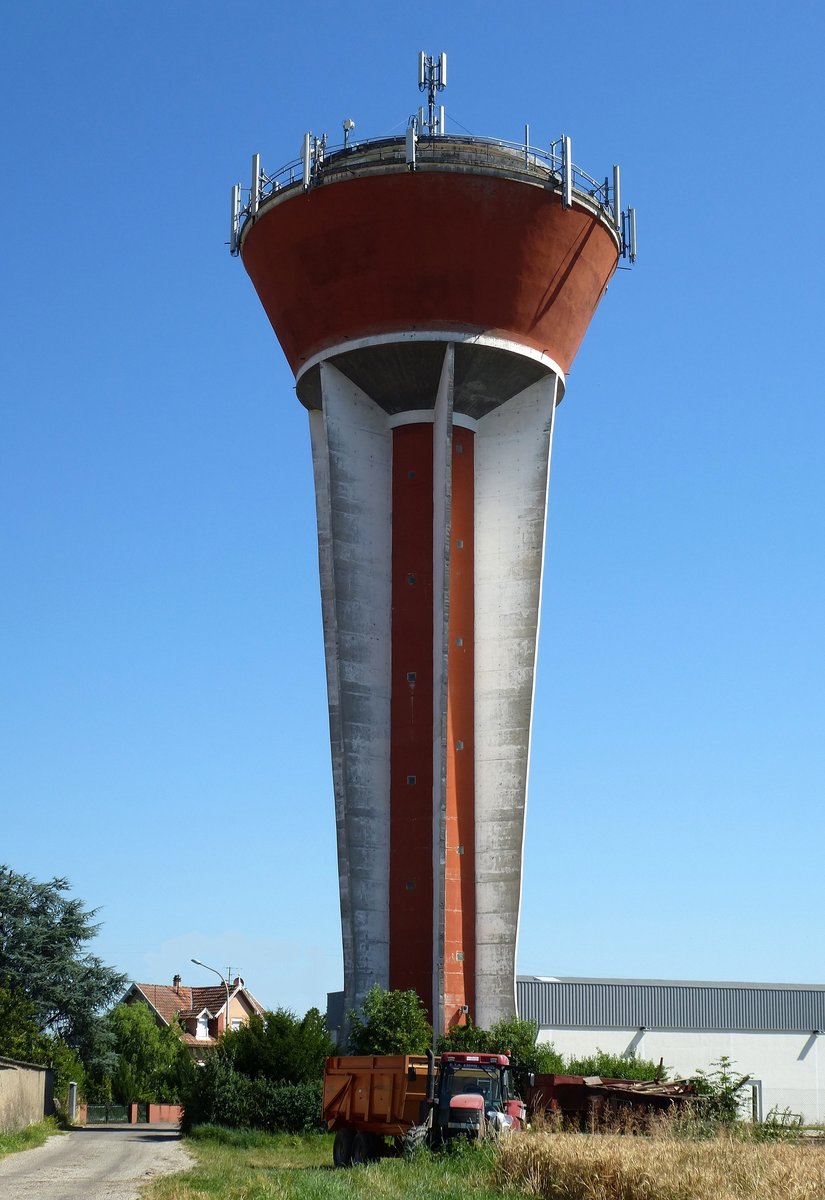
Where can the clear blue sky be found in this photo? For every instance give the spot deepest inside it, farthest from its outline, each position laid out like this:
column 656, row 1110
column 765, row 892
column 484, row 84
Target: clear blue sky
column 164, row 727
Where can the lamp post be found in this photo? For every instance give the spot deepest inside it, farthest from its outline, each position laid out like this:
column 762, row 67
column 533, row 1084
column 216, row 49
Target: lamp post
column 224, row 981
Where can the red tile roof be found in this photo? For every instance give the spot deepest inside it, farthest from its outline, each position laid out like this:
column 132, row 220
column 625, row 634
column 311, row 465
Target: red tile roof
column 172, row 1002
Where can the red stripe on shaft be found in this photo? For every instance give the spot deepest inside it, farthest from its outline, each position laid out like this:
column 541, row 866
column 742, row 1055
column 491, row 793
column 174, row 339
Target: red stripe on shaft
column 411, row 713
column 459, row 917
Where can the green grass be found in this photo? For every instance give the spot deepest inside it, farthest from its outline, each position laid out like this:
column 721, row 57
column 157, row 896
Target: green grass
column 28, row 1138
column 248, row 1165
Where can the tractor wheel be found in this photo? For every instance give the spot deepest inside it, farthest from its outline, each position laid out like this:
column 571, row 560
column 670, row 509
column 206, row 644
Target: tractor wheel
column 366, row 1148
column 414, row 1139
column 342, row 1147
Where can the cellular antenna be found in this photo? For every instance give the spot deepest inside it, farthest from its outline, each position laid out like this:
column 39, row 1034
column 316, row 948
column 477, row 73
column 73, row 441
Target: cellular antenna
column 432, row 78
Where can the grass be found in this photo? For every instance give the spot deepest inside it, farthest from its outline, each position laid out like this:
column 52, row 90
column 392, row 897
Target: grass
column 28, row 1138
column 247, row 1165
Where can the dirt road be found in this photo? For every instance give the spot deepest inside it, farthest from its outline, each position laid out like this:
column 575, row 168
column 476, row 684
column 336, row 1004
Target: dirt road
column 98, row 1163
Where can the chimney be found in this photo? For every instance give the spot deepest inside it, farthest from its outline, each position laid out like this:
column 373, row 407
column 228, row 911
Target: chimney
column 176, row 984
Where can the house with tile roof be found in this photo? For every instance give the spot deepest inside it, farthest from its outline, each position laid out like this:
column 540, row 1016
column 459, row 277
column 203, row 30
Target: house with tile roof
column 201, row 1012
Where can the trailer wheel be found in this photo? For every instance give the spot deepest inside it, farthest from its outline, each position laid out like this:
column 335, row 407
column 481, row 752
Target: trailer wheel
column 342, row 1147
column 366, row 1148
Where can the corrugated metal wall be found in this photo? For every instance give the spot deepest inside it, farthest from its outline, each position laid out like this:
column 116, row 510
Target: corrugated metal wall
column 662, row 1005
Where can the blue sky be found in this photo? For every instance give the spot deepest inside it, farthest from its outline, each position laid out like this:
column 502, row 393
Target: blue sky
column 164, row 735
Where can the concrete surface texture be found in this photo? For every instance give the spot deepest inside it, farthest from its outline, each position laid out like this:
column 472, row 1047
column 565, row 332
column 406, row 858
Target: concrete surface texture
column 94, row 1163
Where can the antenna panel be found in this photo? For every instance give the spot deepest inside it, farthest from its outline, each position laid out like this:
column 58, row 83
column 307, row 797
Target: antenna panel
column 422, row 69
column 441, row 121
column 236, row 213
column 617, row 197
column 442, row 70
column 631, row 213
column 410, row 148
column 567, row 173
column 306, row 153
column 255, row 188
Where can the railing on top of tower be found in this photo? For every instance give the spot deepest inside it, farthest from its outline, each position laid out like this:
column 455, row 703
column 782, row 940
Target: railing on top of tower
column 425, row 140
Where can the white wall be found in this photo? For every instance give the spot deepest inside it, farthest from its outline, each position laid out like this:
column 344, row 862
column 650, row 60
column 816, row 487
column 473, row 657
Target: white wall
column 791, row 1066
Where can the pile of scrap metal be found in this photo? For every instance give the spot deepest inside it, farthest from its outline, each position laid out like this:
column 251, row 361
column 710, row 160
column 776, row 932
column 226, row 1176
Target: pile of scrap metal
column 587, row 1099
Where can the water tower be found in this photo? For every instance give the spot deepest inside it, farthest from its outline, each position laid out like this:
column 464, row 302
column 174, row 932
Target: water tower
column 430, row 292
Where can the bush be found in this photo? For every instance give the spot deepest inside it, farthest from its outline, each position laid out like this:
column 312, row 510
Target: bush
column 720, row 1093
column 615, row 1066
column 280, row 1046
column 220, row 1095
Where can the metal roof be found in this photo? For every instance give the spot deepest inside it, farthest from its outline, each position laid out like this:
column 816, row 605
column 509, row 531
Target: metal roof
column 559, row 1003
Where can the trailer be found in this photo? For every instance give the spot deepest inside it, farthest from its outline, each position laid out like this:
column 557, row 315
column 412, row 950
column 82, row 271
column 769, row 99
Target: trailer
column 586, row 1100
column 388, row 1104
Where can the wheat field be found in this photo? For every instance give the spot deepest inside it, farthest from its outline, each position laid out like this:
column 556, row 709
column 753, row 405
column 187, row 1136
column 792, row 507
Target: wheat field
column 567, row 1166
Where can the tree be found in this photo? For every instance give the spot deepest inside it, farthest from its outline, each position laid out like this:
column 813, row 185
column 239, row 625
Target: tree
column 515, row 1038
column 280, row 1046
column 21, row 1038
column 467, row 1038
column 390, row 1023
column 152, row 1063
column 43, row 956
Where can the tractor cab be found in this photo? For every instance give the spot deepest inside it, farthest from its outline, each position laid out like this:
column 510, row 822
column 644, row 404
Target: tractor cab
column 475, row 1096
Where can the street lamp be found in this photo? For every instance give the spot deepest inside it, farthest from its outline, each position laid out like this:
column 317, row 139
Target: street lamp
column 225, row 983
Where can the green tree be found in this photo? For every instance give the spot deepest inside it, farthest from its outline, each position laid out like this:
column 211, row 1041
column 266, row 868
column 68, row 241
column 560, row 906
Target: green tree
column 152, row 1062
column 280, row 1046
column 21, row 1038
column 390, row 1023
column 43, row 955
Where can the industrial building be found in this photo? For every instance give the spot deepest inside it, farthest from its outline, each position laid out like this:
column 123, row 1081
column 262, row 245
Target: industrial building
column 772, row 1032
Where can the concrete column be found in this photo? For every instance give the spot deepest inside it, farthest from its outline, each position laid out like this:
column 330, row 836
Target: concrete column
column 512, row 470
column 351, row 447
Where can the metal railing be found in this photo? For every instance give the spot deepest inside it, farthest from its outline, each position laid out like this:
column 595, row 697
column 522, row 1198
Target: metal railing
column 319, row 162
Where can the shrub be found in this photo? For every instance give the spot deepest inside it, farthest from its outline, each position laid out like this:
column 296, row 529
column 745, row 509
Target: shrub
column 615, row 1066
column 720, row 1093
column 280, row 1046
column 220, row 1095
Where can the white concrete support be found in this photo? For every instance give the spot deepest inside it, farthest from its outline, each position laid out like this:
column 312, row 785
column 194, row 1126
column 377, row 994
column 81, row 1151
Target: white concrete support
column 512, row 469
column 442, row 508
column 352, row 456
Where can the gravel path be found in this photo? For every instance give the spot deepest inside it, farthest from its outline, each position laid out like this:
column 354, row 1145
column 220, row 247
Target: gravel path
column 97, row 1163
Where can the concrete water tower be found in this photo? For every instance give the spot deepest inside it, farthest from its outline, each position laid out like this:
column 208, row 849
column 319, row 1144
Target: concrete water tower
column 430, row 292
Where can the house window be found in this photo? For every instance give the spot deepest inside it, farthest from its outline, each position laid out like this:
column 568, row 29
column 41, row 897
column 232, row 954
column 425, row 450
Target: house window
column 237, row 1022
column 203, row 1029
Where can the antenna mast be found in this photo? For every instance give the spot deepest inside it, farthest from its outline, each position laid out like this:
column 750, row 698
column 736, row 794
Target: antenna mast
column 432, row 78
